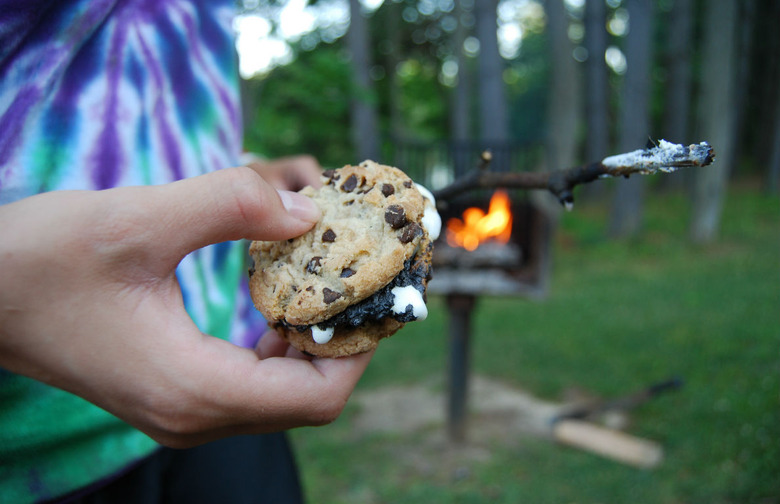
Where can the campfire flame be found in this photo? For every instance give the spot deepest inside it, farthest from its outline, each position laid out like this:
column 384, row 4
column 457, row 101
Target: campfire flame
column 478, row 227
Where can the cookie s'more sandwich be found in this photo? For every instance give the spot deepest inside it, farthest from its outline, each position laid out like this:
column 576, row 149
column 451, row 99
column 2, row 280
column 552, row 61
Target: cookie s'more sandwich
column 360, row 273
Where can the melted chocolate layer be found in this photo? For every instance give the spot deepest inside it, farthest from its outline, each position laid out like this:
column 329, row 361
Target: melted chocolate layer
column 380, row 304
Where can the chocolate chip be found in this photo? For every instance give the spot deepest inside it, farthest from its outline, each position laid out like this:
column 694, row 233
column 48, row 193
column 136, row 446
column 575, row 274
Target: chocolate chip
column 251, row 271
column 331, row 174
column 329, row 236
column 350, row 184
column 407, row 183
column 329, row 296
column 310, row 288
column 410, row 232
column 314, row 265
column 388, row 189
column 395, row 216
column 347, row 272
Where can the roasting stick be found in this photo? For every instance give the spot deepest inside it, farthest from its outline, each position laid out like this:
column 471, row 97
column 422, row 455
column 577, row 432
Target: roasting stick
column 665, row 157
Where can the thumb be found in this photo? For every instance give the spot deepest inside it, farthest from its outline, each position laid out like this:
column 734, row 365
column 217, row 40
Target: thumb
column 230, row 204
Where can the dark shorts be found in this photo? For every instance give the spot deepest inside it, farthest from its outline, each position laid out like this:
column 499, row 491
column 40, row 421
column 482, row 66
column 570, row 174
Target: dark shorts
column 238, row 470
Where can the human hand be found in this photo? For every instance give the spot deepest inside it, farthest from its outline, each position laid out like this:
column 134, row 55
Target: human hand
column 89, row 303
column 291, row 173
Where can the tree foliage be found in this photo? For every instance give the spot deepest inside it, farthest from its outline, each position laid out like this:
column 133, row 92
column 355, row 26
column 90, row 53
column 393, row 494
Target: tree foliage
column 304, row 107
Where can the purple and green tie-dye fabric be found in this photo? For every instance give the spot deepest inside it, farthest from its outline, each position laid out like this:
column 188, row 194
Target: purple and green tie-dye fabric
column 97, row 94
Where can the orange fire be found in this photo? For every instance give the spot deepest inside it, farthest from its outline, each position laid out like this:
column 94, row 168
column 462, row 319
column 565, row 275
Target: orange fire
column 477, row 227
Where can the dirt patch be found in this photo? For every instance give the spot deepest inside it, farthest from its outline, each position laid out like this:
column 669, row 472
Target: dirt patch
column 414, row 417
column 500, row 416
column 495, row 409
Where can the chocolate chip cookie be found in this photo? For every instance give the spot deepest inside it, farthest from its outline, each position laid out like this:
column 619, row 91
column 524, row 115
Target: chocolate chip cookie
column 360, row 273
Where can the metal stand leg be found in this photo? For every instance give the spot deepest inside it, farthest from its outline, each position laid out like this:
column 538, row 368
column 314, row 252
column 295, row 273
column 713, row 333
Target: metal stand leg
column 460, row 307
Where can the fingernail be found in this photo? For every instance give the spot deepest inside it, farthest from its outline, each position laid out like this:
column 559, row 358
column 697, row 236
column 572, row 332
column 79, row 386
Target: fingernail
column 299, row 206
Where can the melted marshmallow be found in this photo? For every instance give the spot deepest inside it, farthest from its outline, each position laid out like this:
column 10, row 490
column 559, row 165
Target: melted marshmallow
column 321, row 335
column 406, row 296
column 661, row 158
column 426, row 193
column 431, row 219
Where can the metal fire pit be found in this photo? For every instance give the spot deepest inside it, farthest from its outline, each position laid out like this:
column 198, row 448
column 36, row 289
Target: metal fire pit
column 518, row 268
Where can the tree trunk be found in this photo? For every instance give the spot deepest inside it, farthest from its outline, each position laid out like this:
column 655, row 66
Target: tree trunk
column 565, row 89
column 596, row 87
column 563, row 100
column 249, row 89
column 773, row 168
column 627, row 208
column 365, row 134
column 493, row 113
column 397, row 125
column 677, row 103
column 744, row 41
column 461, row 105
column 766, row 95
column 716, row 117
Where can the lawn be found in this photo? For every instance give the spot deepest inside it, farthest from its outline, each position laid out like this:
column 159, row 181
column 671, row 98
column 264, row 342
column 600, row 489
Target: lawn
column 619, row 316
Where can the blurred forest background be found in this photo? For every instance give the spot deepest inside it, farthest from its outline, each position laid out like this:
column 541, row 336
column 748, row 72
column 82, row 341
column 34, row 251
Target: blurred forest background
column 691, row 289
column 428, row 84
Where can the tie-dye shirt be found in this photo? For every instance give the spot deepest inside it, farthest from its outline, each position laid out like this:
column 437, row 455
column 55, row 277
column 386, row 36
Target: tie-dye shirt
column 97, row 94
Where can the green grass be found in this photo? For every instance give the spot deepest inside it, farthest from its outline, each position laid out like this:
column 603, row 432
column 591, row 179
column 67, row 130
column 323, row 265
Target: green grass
column 619, row 316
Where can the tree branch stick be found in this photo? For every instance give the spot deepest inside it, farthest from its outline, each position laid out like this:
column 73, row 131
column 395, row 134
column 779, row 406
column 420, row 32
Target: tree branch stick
column 666, row 157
